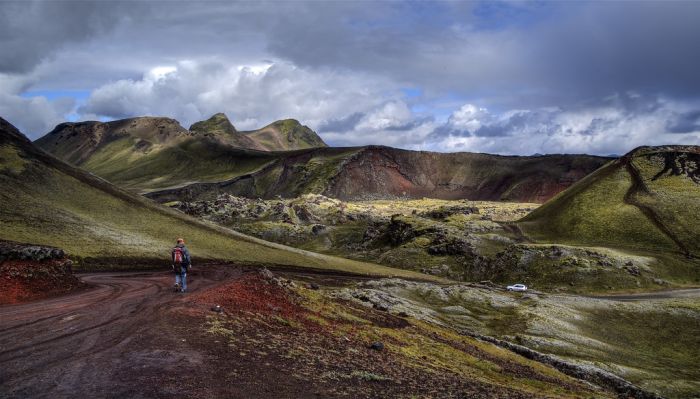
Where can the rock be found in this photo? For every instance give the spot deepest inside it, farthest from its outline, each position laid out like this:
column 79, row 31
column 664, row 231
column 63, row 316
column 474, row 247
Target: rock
column 400, row 231
column 381, row 306
column 10, row 250
column 444, row 245
column 317, row 229
column 314, row 286
column 266, row 274
column 377, row 346
column 444, row 212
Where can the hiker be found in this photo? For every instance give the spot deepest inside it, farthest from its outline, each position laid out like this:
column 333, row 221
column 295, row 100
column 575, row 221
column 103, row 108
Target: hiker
column 181, row 262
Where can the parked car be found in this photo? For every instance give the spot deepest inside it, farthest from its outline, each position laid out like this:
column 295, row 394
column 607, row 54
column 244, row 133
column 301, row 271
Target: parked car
column 517, row 287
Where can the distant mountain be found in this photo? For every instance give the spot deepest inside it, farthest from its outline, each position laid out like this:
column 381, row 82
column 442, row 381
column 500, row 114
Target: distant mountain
column 282, row 135
column 374, row 172
column 48, row 202
column 220, row 128
column 285, row 135
column 647, row 200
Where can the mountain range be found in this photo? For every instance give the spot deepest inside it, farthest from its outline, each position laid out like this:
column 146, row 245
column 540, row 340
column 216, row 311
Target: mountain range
column 158, row 157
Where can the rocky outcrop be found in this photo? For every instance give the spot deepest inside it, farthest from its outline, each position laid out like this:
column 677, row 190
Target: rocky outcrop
column 29, row 272
column 10, row 250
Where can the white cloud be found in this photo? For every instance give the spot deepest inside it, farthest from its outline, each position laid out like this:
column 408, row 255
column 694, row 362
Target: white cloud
column 35, row 115
column 250, row 95
column 616, row 128
column 469, row 118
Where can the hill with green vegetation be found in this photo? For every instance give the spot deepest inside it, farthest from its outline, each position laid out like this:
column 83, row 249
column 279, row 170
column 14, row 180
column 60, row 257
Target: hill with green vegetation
column 285, row 135
column 648, row 199
column 646, row 202
column 220, row 128
column 48, row 202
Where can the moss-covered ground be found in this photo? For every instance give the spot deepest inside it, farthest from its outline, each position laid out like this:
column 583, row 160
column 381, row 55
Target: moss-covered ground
column 327, row 342
column 651, row 342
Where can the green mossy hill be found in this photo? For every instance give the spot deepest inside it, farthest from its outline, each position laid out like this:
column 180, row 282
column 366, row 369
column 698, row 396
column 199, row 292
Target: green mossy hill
column 217, row 123
column 285, row 135
column 220, row 128
column 47, row 202
column 647, row 200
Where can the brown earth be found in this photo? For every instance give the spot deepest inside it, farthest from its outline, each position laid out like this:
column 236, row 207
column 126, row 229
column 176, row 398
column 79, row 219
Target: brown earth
column 131, row 336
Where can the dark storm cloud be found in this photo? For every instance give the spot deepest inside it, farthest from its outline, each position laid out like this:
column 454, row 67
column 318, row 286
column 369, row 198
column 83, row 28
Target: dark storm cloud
column 342, row 125
column 592, row 49
column 31, row 31
column 413, row 124
column 685, row 123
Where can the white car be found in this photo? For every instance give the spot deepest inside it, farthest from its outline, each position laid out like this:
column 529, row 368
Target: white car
column 517, row 287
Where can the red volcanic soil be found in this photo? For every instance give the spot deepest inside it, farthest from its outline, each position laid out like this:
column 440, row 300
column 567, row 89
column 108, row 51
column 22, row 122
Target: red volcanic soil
column 26, row 280
column 251, row 293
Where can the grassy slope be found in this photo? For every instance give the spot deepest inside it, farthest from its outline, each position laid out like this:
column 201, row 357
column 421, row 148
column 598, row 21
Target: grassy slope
column 674, row 198
column 188, row 161
column 593, row 212
column 45, row 201
column 601, row 210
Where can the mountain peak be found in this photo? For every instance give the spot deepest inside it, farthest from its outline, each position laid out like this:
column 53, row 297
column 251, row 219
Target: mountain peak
column 8, row 129
column 217, row 123
column 287, row 134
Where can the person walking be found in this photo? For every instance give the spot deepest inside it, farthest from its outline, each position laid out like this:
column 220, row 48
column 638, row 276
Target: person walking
column 181, row 262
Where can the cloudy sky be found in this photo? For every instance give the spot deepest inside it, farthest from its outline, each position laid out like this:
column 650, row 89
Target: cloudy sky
column 508, row 77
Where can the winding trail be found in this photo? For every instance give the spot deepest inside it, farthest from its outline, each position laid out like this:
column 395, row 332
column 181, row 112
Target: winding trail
column 87, row 344
column 646, row 296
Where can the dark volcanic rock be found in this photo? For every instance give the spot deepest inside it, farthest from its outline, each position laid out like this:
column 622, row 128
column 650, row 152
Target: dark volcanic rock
column 377, row 346
column 444, row 245
column 447, row 211
column 10, row 250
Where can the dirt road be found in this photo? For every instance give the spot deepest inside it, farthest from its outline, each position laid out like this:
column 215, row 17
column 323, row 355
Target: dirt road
column 668, row 294
column 91, row 344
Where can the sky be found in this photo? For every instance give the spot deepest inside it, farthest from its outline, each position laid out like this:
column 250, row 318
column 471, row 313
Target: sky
column 506, row 77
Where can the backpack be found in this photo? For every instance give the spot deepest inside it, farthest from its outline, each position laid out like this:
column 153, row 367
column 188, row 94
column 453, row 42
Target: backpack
column 179, row 260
